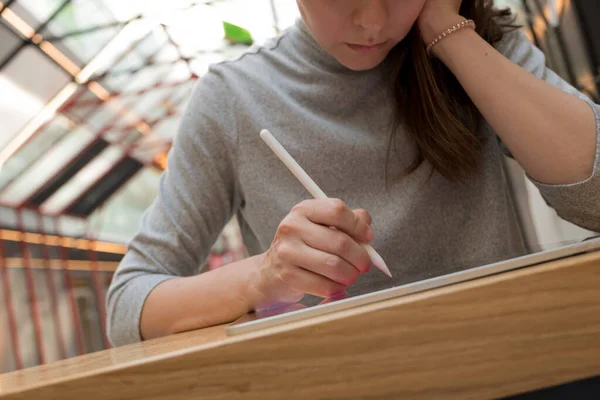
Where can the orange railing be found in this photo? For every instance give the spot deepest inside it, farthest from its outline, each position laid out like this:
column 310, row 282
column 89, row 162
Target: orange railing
column 54, row 287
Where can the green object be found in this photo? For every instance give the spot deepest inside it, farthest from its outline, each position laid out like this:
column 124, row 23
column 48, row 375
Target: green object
column 237, row 34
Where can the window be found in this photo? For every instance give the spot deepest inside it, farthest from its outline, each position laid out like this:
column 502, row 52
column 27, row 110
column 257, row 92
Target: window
column 40, row 171
column 39, row 144
column 8, row 43
column 27, row 83
column 83, row 180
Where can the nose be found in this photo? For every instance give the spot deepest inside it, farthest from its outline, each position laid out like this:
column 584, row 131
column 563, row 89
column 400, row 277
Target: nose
column 371, row 15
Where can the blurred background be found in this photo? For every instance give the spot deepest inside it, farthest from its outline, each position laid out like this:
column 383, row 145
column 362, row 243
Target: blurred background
column 91, row 92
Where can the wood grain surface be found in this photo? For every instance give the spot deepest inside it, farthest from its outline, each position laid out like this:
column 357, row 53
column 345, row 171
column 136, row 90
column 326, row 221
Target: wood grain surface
column 492, row 337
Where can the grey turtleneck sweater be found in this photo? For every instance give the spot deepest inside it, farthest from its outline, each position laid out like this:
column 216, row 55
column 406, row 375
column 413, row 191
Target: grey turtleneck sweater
column 336, row 123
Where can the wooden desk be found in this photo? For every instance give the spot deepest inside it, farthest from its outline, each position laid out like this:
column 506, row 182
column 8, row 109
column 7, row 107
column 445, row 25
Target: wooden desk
column 488, row 338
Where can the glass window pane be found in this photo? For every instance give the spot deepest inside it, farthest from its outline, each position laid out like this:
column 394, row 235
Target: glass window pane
column 35, row 12
column 179, row 72
column 125, row 10
column 71, row 227
column 147, row 77
column 170, row 103
column 198, row 29
column 106, row 115
column 82, row 104
column 114, row 82
column 80, row 15
column 166, row 128
column 168, row 54
column 8, row 42
column 155, row 114
column 9, row 217
column 118, row 220
column 201, row 62
column 131, row 37
column 45, row 167
column 36, row 73
column 115, row 113
column 152, row 44
column 152, row 100
column 77, row 15
column 104, row 188
column 183, row 92
column 82, row 48
column 145, row 156
column 82, row 181
column 124, row 139
column 131, row 61
column 287, row 13
column 27, row 83
column 148, row 147
column 32, row 150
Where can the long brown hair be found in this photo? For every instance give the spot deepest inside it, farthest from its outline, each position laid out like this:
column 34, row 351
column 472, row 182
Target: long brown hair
column 432, row 105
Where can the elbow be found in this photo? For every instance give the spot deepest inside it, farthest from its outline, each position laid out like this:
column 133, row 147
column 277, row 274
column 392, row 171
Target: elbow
column 115, row 331
column 115, row 335
column 121, row 326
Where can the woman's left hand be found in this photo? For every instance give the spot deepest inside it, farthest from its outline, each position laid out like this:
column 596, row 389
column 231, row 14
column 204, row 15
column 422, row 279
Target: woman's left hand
column 437, row 16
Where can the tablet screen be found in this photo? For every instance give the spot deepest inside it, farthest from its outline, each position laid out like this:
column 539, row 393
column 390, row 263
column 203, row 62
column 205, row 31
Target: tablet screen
column 287, row 313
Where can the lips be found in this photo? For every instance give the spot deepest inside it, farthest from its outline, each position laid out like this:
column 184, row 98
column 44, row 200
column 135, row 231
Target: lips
column 366, row 48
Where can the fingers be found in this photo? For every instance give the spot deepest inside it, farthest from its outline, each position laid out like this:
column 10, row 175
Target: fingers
column 364, row 216
column 308, row 282
column 330, row 266
column 334, row 213
column 335, row 246
column 316, row 250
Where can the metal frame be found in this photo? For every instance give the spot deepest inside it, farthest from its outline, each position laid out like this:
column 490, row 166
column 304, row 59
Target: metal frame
column 72, row 103
column 52, row 290
column 97, row 287
column 30, row 284
column 42, row 129
column 8, row 305
column 29, row 41
column 75, row 317
column 44, row 237
column 128, row 153
column 6, row 5
column 37, row 40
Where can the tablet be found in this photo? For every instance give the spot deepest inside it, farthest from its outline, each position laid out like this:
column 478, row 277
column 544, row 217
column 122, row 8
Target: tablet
column 296, row 312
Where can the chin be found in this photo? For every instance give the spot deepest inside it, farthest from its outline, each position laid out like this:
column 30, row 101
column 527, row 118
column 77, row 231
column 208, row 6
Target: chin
column 361, row 65
column 361, row 62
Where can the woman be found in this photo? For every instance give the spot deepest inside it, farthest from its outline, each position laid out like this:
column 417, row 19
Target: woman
column 416, row 139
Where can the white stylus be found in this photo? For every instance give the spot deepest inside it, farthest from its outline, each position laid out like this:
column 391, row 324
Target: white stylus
column 314, row 190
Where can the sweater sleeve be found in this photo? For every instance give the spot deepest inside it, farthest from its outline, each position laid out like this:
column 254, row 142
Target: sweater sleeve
column 578, row 203
column 198, row 194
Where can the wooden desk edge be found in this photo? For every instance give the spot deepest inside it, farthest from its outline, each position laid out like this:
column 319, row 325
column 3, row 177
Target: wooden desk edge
column 219, row 337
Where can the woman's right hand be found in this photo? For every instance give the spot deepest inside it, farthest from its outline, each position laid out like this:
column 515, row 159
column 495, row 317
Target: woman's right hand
column 307, row 256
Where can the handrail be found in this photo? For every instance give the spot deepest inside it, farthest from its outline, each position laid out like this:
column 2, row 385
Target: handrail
column 71, row 265
column 53, row 240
